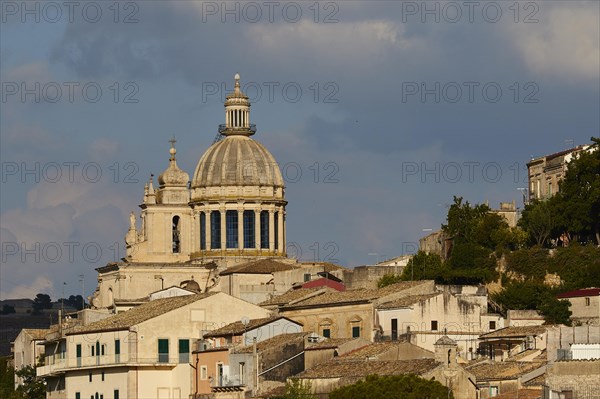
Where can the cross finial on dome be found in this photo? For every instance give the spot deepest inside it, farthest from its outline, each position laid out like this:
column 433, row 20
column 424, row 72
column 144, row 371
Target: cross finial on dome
column 172, row 151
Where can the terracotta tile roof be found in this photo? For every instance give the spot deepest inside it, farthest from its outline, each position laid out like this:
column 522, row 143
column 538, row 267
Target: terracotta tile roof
column 140, row 313
column 263, row 266
column 371, row 351
column 361, row 368
column 492, row 371
column 37, row 333
column 237, row 328
column 357, row 295
column 327, row 266
column 445, row 340
column 537, row 381
column 407, row 301
column 515, row 332
column 278, row 340
column 291, row 296
column 521, row 394
column 328, row 343
column 580, row 293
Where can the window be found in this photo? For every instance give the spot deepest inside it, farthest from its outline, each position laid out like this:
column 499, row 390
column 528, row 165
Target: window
column 103, row 376
column 203, row 372
column 242, row 364
column 78, row 352
column 175, row 234
column 117, row 350
column 587, row 301
column 77, row 395
column 434, row 325
column 249, row 240
column 215, row 230
column 493, row 391
column 90, row 376
column 102, row 349
column 202, row 231
column 116, row 394
column 264, row 229
column 231, row 229
column 276, row 228
column 92, row 350
column 184, row 350
column 492, row 325
column 163, row 350
column 356, row 332
column 306, row 277
column 549, row 189
column 327, row 333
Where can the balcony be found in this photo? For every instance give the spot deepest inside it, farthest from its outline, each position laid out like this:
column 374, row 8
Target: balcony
column 251, row 129
column 90, row 362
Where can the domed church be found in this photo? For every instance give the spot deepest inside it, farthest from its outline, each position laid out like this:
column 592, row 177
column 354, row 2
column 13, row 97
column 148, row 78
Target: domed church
column 231, row 212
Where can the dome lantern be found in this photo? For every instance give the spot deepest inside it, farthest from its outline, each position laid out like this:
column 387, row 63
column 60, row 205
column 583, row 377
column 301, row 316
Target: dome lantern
column 237, row 113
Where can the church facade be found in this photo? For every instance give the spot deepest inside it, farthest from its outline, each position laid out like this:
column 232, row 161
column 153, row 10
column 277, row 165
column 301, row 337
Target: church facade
column 232, row 211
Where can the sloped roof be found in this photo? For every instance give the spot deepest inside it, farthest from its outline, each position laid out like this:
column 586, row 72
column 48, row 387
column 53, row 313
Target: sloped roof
column 273, row 342
column 361, row 368
column 327, row 266
column 357, row 295
column 290, row 296
column 330, row 343
column 529, row 393
column 407, row 301
column 238, row 328
column 579, row 293
column 140, row 313
column 445, row 340
column 372, row 350
column 515, row 332
column 263, row 266
column 37, row 333
column 492, row 371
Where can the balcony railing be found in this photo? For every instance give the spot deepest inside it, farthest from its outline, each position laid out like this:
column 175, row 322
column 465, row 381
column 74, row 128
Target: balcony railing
column 223, row 128
column 62, row 365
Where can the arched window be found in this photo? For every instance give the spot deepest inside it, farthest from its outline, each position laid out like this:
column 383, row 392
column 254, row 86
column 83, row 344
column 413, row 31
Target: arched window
column 215, row 230
column 175, row 240
column 231, row 221
column 264, row 229
column 202, row 231
column 249, row 239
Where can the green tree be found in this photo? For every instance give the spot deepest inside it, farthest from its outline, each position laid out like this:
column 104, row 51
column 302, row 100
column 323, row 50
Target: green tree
column 33, row 387
column 7, row 309
column 398, row 386
column 463, row 219
column 296, row 389
column 388, row 279
column 539, row 219
column 555, row 311
column 7, row 379
column 423, row 266
column 578, row 199
column 40, row 302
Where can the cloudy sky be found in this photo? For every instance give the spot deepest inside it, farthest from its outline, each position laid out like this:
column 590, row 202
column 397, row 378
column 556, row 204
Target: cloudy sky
column 378, row 113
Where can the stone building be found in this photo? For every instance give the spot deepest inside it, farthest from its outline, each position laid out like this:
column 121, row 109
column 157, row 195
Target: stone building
column 231, row 211
column 26, row 350
column 546, row 172
column 585, row 305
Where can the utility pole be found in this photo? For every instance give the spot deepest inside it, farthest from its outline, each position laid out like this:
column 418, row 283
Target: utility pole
column 82, row 280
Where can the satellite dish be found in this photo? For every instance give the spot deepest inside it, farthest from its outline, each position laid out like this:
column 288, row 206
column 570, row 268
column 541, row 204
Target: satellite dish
column 245, row 321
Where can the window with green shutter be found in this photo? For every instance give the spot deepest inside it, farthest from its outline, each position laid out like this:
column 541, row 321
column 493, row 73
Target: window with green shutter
column 163, row 350
column 184, row 351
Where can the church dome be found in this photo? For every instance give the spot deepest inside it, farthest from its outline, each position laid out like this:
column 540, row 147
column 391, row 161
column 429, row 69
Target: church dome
column 237, row 160
column 173, row 176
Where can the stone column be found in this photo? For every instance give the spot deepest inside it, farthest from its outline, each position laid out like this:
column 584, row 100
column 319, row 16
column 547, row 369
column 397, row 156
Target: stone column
column 223, row 228
column 257, row 229
column 271, row 230
column 280, row 244
column 207, row 228
column 240, row 213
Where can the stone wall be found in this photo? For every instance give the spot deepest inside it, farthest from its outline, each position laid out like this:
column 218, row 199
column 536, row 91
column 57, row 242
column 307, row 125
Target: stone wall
column 580, row 376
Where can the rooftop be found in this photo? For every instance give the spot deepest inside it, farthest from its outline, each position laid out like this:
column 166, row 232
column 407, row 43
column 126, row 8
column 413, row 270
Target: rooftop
column 493, row 371
column 330, row 343
column 357, row 295
column 515, row 332
column 529, row 393
column 263, row 266
column 140, row 313
column 291, row 296
column 407, row 301
column 37, row 333
column 579, row 293
column 238, row 328
column 278, row 340
column 372, row 351
column 360, row 368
